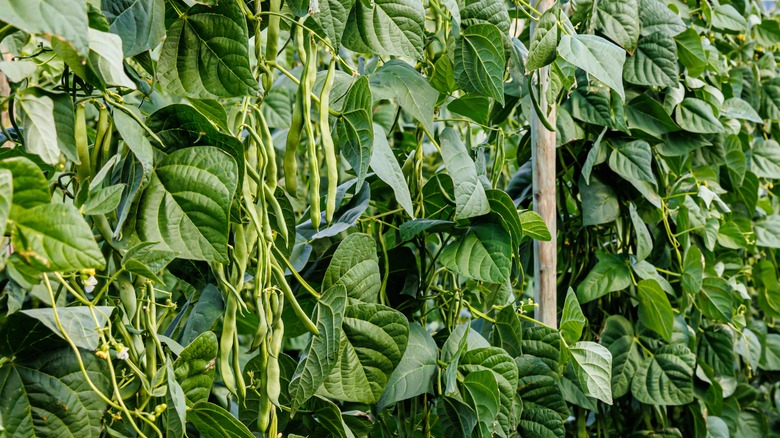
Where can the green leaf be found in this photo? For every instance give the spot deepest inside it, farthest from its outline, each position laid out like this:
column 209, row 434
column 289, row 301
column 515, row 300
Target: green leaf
column 765, row 158
column 609, row 275
column 539, row 386
column 195, row 366
column 355, row 266
column 386, row 167
column 64, row 20
column 596, row 56
column 456, row 417
column 696, row 116
column 176, row 414
column 502, row 205
column 329, row 417
column 644, row 242
column 715, row 299
column 654, row 63
column 103, row 201
column 737, row 108
column 542, row 423
column 213, row 421
column 656, row 16
column 618, row 337
column 398, row 81
column 479, row 61
column 6, row 197
column 470, row 198
column 503, row 367
column 544, row 41
column 599, row 202
column 619, row 20
column 647, row 114
column 332, row 18
column 373, row 342
column 736, row 162
column 633, row 161
column 767, row 231
column 655, row 311
column 55, row 237
column 213, row 111
column 48, row 396
column 480, row 390
column 473, row 106
column 355, row 130
column 507, row 332
column 386, row 27
column 206, row 55
column 771, row 359
column 727, row 18
column 106, row 59
column 572, row 319
column 78, row 323
column 593, row 365
column 534, row 227
column 187, row 204
column 17, row 71
column 770, row 98
column 414, row 374
column 139, row 23
column 143, row 259
column 693, row 269
column 321, row 353
column 204, row 314
column 48, row 125
column 544, row 343
column 484, row 11
column 716, row 349
column 665, row 378
column 484, row 253
column 730, row 236
column 690, row 51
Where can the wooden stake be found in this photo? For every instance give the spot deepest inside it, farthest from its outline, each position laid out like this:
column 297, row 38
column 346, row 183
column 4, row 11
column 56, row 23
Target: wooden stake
column 543, row 160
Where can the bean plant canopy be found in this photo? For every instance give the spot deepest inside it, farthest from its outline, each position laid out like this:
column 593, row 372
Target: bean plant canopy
column 316, row 218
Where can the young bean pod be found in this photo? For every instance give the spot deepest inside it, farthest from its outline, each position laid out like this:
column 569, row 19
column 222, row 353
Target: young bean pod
column 82, row 143
column 103, row 127
column 226, row 343
column 331, row 161
column 314, row 165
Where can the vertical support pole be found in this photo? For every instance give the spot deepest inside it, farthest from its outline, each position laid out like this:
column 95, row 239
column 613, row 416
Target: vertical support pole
column 543, row 160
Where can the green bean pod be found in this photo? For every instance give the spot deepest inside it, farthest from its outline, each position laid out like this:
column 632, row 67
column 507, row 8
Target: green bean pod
column 265, row 407
column 102, row 129
column 314, row 166
column 281, row 223
column 226, row 344
column 291, row 146
column 82, row 143
column 271, row 171
column 331, row 161
column 290, row 297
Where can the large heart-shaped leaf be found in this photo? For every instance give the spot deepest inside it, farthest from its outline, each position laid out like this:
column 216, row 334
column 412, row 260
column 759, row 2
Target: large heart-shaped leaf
column 470, row 197
column 48, row 396
column 484, row 253
column 654, row 63
column 504, row 369
column 55, row 237
column 596, row 56
column 187, row 203
column 355, row 266
column 195, row 366
column 414, row 374
column 48, row 127
column 655, row 311
column 139, row 23
column 666, row 377
column 206, row 55
column 355, row 129
column 65, row 20
column 618, row 337
column 480, row 62
column 399, row 81
column 372, row 343
column 321, row 353
column 386, row 27
column 609, row 275
column 592, row 363
column 619, row 20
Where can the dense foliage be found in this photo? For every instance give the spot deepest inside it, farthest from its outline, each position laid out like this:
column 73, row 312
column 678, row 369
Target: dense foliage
column 238, row 218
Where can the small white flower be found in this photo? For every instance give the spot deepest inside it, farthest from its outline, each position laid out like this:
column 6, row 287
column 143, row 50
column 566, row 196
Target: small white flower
column 90, row 283
column 122, row 354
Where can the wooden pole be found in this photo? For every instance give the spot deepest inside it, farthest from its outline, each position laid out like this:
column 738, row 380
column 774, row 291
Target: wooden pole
column 543, row 160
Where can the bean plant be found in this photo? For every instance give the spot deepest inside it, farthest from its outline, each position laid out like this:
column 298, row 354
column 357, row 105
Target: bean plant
column 315, row 218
